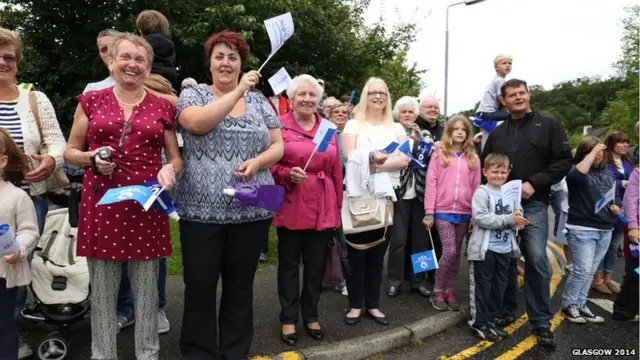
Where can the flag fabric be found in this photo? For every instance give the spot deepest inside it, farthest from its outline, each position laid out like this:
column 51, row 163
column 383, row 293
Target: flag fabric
column 352, row 96
column 486, row 125
column 405, row 148
column 8, row 243
column 424, row 261
column 389, row 149
column 323, row 136
column 607, row 199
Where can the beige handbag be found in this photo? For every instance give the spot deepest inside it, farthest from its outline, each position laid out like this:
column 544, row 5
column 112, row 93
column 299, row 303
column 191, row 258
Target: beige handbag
column 58, row 179
column 365, row 213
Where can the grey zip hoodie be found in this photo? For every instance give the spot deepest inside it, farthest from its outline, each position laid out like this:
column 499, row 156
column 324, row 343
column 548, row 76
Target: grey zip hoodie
column 484, row 220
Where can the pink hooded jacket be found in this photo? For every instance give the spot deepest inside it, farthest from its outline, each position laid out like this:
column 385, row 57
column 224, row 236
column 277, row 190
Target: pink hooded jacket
column 449, row 189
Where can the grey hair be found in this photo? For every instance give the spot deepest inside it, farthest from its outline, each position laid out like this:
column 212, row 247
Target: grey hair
column 292, row 89
column 107, row 32
column 403, row 101
column 424, row 98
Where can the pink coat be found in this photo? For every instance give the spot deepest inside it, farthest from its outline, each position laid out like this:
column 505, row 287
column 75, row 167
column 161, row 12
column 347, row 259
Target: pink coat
column 449, row 190
column 314, row 203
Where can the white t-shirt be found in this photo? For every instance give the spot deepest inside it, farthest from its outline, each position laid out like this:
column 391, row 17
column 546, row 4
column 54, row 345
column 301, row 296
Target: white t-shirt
column 100, row 85
column 376, row 137
column 411, row 189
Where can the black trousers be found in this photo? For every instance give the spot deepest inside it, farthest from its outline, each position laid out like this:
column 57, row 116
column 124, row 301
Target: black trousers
column 626, row 305
column 312, row 246
column 407, row 237
column 487, row 283
column 210, row 252
column 510, row 300
column 366, row 269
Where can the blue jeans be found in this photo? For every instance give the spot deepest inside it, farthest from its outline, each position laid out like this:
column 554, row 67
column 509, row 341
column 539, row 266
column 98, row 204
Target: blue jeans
column 125, row 296
column 42, row 207
column 588, row 248
column 8, row 326
column 537, row 274
column 608, row 263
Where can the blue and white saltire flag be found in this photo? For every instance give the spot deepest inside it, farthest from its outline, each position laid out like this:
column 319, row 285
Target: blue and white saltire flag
column 323, row 137
column 486, row 125
column 607, row 199
column 324, row 134
column 141, row 194
column 8, row 243
column 405, row 148
column 390, row 149
column 424, row 261
column 352, row 96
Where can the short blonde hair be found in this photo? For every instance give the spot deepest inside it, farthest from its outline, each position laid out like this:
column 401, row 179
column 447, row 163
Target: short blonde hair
column 501, row 57
column 404, row 101
column 292, row 89
column 7, row 38
column 152, row 21
column 361, row 114
column 135, row 40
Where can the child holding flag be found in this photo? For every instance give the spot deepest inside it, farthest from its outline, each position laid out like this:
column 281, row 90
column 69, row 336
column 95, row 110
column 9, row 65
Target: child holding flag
column 589, row 225
column 492, row 245
column 18, row 213
column 452, row 178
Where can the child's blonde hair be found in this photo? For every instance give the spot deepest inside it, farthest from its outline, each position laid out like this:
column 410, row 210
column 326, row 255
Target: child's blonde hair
column 18, row 163
column 152, row 21
column 496, row 159
column 468, row 148
column 501, row 57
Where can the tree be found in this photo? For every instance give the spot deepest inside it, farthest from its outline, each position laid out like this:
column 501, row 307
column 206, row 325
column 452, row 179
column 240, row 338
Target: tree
column 623, row 112
column 331, row 41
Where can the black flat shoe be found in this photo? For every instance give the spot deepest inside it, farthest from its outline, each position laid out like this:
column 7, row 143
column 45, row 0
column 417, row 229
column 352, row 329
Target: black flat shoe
column 392, row 292
column 289, row 339
column 352, row 320
column 316, row 334
column 379, row 320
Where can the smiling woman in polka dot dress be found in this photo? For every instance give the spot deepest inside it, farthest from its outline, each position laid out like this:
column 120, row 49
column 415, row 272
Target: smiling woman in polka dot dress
column 135, row 126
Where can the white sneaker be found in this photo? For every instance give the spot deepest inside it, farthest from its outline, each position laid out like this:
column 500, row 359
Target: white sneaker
column 589, row 316
column 163, row 323
column 574, row 315
column 344, row 291
column 24, row 350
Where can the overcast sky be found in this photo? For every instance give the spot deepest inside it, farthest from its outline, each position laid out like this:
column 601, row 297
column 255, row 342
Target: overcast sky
column 550, row 40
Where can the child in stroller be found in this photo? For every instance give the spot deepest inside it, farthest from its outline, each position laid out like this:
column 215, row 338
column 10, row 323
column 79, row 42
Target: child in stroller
column 60, row 279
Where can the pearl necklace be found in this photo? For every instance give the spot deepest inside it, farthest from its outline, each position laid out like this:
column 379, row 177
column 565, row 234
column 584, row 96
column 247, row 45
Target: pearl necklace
column 144, row 94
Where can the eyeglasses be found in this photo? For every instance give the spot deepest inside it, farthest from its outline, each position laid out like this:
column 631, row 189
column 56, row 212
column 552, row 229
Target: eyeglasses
column 376, row 93
column 126, row 131
column 8, row 58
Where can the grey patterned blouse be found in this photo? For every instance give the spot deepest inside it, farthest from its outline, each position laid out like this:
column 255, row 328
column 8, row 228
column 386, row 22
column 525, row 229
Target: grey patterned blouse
column 210, row 160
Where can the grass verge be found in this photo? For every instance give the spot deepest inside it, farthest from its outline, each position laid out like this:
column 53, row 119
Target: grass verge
column 174, row 263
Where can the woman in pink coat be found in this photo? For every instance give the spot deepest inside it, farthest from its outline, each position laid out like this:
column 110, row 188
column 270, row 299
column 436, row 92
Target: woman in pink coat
column 311, row 210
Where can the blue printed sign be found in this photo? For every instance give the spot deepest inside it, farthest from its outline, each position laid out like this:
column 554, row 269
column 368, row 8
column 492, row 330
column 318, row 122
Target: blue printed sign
column 405, row 148
column 8, row 243
column 137, row 193
column 424, row 261
column 424, row 149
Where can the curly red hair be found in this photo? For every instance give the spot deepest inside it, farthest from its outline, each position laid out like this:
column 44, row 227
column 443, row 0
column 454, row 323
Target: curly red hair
column 232, row 39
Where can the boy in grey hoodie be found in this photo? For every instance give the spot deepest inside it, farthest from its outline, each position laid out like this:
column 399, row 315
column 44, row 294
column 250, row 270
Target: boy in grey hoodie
column 492, row 244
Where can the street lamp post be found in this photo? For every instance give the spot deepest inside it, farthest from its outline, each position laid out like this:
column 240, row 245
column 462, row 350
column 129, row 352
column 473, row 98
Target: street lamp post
column 446, row 51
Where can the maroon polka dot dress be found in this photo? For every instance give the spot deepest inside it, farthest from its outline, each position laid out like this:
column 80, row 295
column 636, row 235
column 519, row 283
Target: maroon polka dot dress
column 124, row 231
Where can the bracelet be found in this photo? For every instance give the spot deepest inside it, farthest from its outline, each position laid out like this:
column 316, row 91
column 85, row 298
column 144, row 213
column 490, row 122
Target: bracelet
column 372, row 158
column 428, row 217
column 588, row 161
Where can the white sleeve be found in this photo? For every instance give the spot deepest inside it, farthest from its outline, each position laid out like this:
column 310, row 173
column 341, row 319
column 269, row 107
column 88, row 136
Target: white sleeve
column 351, row 127
column 398, row 131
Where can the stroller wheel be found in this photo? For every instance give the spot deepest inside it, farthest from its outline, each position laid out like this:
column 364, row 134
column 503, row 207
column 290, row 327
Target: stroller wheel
column 53, row 347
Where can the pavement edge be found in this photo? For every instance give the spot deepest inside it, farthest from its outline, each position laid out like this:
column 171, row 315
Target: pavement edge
column 364, row 346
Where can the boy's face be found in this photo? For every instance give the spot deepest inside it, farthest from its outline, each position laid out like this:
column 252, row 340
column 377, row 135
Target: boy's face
column 496, row 175
column 503, row 67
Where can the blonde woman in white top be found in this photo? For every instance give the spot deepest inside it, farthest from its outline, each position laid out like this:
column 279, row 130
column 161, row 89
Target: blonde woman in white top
column 18, row 213
column 372, row 128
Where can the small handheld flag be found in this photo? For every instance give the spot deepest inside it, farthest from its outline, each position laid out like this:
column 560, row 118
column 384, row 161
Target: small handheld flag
column 486, row 125
column 426, row 260
column 352, row 96
column 405, row 148
column 323, row 137
column 8, row 243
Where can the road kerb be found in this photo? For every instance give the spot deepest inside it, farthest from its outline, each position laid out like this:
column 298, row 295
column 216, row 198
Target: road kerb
column 438, row 323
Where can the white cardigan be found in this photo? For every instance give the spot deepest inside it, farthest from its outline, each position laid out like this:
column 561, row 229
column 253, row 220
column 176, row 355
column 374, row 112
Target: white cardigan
column 51, row 132
column 17, row 210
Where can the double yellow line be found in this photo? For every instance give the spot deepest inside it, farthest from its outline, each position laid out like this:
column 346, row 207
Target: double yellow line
column 531, row 340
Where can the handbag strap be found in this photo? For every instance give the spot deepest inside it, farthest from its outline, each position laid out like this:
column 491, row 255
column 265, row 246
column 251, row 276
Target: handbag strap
column 33, row 101
column 387, row 217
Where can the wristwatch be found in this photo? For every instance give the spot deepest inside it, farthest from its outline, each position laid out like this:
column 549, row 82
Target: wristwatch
column 93, row 163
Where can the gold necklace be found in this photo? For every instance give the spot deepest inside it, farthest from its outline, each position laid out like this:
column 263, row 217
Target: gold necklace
column 144, row 94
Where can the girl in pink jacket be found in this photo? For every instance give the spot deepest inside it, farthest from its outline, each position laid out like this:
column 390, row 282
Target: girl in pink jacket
column 452, row 178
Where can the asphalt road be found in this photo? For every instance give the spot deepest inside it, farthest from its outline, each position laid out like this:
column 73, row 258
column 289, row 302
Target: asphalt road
column 453, row 343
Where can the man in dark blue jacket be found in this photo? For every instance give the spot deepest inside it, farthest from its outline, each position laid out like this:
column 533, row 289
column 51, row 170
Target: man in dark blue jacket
column 538, row 148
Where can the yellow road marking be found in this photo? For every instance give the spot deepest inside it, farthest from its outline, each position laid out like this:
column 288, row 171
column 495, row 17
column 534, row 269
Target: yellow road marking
column 530, row 341
column 477, row 348
column 558, row 249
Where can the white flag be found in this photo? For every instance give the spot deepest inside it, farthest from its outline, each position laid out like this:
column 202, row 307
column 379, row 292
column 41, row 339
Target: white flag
column 280, row 81
column 280, row 29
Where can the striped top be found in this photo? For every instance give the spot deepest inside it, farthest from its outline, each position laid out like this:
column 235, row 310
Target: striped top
column 10, row 121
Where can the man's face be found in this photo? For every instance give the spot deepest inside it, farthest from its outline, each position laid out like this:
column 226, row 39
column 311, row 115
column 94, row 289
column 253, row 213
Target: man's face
column 103, row 47
column 516, row 99
column 430, row 109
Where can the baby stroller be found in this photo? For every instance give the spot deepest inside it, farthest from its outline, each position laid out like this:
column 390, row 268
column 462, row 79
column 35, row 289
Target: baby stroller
column 60, row 279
